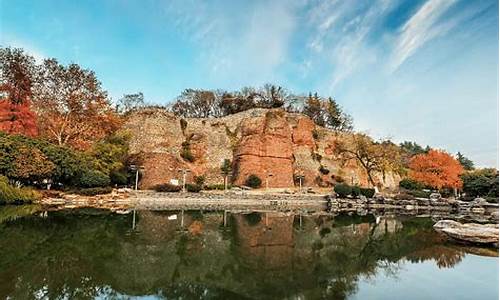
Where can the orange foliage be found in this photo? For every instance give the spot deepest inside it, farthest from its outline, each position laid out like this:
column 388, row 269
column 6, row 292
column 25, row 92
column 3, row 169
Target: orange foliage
column 437, row 169
column 17, row 118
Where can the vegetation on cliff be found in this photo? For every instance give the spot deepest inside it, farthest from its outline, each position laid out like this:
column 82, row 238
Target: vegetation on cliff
column 59, row 127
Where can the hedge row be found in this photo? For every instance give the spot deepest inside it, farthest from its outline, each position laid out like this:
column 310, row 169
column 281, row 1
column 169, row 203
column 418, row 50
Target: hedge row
column 345, row 190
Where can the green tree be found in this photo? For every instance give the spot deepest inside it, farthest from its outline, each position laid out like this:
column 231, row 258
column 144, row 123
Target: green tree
column 481, row 182
column 465, row 162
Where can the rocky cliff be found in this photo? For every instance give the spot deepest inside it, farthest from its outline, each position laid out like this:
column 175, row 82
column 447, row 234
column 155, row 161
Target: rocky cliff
column 270, row 143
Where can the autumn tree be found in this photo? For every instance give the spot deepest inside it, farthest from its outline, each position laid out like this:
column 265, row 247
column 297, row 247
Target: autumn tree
column 437, row 169
column 71, row 105
column 382, row 156
column 16, row 80
column 30, row 165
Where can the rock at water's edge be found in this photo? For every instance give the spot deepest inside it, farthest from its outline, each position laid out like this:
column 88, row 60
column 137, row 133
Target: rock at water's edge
column 469, row 232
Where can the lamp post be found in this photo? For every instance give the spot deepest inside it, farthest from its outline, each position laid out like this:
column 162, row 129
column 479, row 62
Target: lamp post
column 136, row 169
column 267, row 179
column 184, row 174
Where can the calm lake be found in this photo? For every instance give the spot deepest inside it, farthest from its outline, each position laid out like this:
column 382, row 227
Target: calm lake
column 95, row 254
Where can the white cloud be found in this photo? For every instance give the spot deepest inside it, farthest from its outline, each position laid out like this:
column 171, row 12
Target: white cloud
column 245, row 44
column 420, row 29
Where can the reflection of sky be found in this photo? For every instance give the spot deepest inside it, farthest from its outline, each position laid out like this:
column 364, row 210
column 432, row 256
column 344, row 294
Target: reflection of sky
column 475, row 277
column 424, row 70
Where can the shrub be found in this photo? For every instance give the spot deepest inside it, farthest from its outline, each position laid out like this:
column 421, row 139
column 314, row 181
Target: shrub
column 199, row 180
column 410, row 184
column 315, row 134
column 94, row 191
column 186, row 152
column 93, row 178
column 253, row 181
column 355, row 191
column 219, row 187
column 368, row 192
column 323, row 170
column 342, row 190
column 419, row 194
column 118, row 177
column 167, row 187
column 13, row 195
column 184, row 125
column 193, row 188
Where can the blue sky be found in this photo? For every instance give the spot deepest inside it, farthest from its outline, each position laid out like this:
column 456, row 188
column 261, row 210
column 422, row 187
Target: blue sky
column 422, row 70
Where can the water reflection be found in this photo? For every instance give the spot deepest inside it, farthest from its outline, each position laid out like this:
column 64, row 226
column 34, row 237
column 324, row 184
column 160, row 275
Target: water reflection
column 84, row 254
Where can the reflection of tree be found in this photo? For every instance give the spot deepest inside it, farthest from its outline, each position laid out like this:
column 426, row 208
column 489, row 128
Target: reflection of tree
column 82, row 255
column 445, row 257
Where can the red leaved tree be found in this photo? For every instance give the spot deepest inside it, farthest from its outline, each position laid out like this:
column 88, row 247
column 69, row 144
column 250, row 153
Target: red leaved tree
column 16, row 81
column 437, row 169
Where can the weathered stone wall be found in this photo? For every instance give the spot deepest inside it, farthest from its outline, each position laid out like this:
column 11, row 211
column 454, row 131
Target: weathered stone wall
column 269, row 143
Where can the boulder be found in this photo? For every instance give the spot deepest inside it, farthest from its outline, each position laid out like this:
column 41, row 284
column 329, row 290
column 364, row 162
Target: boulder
column 479, row 202
column 469, row 232
column 435, row 197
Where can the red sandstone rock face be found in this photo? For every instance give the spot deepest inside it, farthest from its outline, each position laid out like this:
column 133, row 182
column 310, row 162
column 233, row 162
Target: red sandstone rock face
column 265, row 150
column 258, row 142
column 303, row 133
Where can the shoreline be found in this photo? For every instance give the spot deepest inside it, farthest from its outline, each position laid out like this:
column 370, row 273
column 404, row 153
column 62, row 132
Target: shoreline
column 126, row 201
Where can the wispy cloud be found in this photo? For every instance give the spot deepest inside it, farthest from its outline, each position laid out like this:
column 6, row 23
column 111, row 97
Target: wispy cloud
column 244, row 44
column 422, row 27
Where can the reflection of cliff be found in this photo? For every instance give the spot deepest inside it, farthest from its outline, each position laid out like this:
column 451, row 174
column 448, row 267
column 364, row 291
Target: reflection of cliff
column 79, row 256
column 265, row 240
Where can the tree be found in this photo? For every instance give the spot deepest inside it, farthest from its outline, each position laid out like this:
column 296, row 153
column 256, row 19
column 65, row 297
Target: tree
column 30, row 165
column 436, row 169
column 17, row 118
column 373, row 156
column 327, row 113
column 71, row 105
column 16, row 81
column 198, row 104
column 226, row 170
column 313, row 109
column 130, row 102
column 465, row 162
column 480, row 183
column 412, row 148
column 336, row 119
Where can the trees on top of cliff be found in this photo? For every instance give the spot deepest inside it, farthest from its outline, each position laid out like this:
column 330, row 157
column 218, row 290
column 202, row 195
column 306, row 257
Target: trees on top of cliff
column 465, row 162
column 130, row 102
column 194, row 103
column 327, row 113
column 17, row 71
column 72, row 107
column 437, row 169
column 382, row 156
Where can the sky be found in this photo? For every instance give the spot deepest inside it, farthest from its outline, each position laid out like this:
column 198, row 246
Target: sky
column 419, row 70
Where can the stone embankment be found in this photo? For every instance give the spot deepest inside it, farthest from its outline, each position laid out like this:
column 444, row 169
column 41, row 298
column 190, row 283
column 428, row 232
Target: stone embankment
column 476, row 211
column 124, row 200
